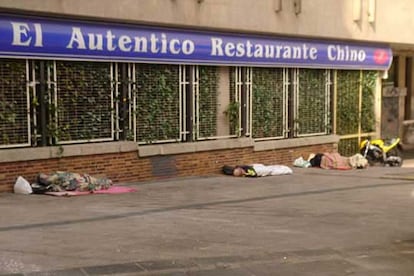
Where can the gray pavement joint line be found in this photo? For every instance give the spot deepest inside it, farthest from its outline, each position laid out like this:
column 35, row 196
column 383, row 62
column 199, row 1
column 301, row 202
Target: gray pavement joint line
column 193, row 206
column 203, row 263
column 228, row 262
column 83, row 271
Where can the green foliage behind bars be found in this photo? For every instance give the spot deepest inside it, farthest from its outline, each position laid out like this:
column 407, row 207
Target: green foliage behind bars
column 13, row 102
column 347, row 109
column 349, row 120
column 313, row 102
column 84, row 108
column 369, row 79
column 268, row 102
column 84, row 102
column 158, row 103
column 208, row 88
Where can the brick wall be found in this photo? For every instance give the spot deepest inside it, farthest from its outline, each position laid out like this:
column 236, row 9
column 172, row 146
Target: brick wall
column 128, row 167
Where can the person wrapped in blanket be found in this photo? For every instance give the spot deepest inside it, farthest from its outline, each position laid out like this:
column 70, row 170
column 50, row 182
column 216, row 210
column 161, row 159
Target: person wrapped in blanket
column 336, row 161
column 256, row 170
column 67, row 181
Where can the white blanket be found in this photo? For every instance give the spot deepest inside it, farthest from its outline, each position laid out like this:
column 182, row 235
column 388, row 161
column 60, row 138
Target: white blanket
column 263, row 170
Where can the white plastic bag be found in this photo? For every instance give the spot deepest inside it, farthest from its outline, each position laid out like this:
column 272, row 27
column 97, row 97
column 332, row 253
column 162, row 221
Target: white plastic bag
column 22, row 186
column 301, row 163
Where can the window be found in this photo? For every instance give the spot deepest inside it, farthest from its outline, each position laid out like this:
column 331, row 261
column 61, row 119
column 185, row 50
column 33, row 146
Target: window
column 158, row 99
column 176, row 103
column 311, row 102
column 284, row 102
column 355, row 108
column 14, row 104
column 60, row 102
column 270, row 103
column 83, row 102
column 71, row 102
column 206, row 102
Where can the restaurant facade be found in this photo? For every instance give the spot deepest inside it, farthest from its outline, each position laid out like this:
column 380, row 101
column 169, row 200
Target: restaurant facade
column 102, row 90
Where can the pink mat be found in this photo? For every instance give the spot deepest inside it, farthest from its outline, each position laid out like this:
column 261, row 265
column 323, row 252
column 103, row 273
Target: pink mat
column 111, row 190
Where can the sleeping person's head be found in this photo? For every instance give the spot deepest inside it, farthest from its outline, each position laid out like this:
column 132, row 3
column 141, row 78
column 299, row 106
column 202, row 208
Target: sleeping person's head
column 239, row 172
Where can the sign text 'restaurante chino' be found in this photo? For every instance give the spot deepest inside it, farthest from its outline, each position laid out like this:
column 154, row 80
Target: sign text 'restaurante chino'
column 44, row 38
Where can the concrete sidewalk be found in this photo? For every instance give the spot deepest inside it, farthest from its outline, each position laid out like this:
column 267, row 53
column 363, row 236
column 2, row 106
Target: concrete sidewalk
column 313, row 222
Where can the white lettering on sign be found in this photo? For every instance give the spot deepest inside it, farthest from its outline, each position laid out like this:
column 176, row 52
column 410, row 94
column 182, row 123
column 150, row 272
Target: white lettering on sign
column 77, row 38
column 23, row 37
column 256, row 50
column 155, row 44
column 344, row 53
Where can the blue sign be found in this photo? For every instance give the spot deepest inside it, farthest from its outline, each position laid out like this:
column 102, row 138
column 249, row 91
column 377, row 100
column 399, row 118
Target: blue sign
column 32, row 37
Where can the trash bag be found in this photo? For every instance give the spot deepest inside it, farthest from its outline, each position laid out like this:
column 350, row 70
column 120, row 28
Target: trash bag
column 22, row 186
column 301, row 163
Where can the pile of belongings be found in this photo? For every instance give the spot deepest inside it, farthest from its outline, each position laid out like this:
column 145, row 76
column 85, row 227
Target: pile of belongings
column 67, row 181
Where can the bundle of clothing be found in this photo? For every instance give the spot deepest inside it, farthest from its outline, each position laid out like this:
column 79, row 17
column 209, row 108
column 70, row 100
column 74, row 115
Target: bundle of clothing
column 67, row 181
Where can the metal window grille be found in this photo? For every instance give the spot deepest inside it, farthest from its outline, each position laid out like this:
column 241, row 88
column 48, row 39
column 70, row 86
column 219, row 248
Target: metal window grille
column 31, row 88
column 249, row 101
column 124, row 101
column 14, row 104
column 158, row 107
column 233, row 110
column 186, row 74
column 206, row 90
column 241, row 99
column 41, row 88
column 115, row 95
column 88, row 101
column 194, row 86
column 83, row 102
column 355, row 108
column 270, row 103
column 312, row 104
column 132, row 90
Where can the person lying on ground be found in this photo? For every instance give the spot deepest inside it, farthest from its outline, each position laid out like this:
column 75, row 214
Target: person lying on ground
column 333, row 160
column 256, row 170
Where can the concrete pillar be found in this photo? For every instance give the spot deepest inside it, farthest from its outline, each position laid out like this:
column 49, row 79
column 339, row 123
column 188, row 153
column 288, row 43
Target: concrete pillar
column 401, row 84
column 410, row 86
